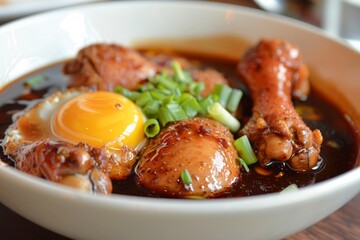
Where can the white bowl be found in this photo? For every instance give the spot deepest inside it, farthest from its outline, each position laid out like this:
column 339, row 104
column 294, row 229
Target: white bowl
column 37, row 41
column 16, row 8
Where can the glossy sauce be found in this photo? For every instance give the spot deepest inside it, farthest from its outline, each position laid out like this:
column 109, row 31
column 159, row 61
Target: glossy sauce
column 339, row 151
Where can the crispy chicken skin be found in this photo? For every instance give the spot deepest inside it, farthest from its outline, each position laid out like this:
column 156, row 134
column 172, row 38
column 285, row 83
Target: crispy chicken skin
column 273, row 71
column 202, row 146
column 104, row 66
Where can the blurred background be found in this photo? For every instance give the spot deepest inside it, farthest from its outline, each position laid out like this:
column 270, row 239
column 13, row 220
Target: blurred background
column 338, row 17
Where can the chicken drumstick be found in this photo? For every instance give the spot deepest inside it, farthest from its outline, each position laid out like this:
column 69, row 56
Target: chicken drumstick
column 273, row 71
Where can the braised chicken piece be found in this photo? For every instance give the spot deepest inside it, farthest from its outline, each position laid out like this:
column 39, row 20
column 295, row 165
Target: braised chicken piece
column 80, row 166
column 210, row 78
column 105, row 66
column 62, row 162
column 273, row 71
column 202, row 146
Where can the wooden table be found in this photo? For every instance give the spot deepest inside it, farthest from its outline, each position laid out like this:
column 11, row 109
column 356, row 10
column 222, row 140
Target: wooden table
column 343, row 224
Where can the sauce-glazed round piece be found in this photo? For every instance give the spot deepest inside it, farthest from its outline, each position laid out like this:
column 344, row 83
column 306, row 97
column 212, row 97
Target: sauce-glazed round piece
column 201, row 146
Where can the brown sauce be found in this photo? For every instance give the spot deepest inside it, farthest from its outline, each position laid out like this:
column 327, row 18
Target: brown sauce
column 339, row 151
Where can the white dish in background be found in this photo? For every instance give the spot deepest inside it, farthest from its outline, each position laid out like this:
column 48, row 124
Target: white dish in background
column 11, row 9
column 60, row 34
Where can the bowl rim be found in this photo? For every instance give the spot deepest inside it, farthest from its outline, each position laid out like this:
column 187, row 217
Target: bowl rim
column 184, row 206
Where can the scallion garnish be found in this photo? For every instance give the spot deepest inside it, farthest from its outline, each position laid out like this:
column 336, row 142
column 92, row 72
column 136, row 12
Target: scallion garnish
column 157, row 95
column 132, row 95
column 35, row 81
column 151, row 128
column 146, row 87
column 177, row 112
column 220, row 114
column 206, row 102
column 224, row 92
column 245, row 150
column 152, row 108
column 190, row 106
column 173, row 97
column 143, row 99
column 185, row 177
column 195, row 88
column 234, row 100
column 167, row 83
column 243, row 163
column 178, row 72
column 165, row 116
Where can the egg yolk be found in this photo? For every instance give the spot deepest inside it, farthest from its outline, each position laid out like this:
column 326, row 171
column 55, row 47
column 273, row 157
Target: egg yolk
column 98, row 118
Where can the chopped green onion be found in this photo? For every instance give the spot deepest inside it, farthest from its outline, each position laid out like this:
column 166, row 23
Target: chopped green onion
column 151, row 128
column 190, row 106
column 185, row 97
column 165, row 116
column 152, row 107
column 195, row 88
column 245, row 150
column 127, row 93
column 183, row 86
column 185, row 177
column 167, row 83
column 146, row 87
column 234, row 100
column 123, row 91
column 143, row 99
column 206, row 102
column 188, row 77
column 164, row 91
column 162, row 75
column 291, row 188
column 243, row 163
column 35, row 81
column 157, row 95
column 171, row 99
column 134, row 96
column 176, row 111
column 224, row 92
column 176, row 91
column 174, row 97
column 178, row 72
column 219, row 113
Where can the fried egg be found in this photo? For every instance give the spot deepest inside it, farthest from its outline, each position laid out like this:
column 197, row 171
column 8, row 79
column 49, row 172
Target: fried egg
column 97, row 118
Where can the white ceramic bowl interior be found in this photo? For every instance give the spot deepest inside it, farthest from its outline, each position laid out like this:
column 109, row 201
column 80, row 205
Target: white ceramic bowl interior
column 38, row 41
